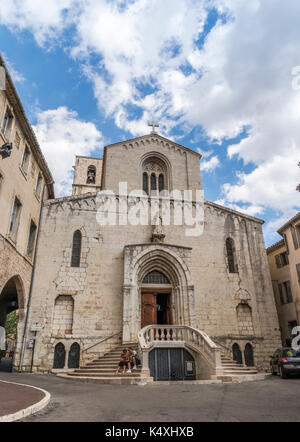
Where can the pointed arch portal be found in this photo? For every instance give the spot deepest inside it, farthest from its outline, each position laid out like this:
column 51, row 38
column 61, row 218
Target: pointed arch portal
column 157, row 288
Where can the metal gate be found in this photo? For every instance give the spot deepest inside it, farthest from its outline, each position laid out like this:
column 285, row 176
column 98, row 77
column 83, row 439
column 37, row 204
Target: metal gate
column 237, row 354
column 171, row 364
column 249, row 355
column 59, row 356
column 74, row 356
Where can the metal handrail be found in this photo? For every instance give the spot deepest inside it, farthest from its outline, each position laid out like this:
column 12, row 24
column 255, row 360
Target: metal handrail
column 100, row 342
column 221, row 345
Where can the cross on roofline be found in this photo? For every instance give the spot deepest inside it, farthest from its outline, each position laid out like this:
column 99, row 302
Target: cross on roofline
column 153, row 125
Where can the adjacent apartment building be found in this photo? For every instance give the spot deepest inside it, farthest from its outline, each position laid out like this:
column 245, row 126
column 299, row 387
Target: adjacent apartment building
column 284, row 262
column 25, row 180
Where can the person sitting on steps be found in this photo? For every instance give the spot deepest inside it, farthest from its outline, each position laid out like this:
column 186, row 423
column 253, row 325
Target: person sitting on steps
column 124, row 362
column 133, row 357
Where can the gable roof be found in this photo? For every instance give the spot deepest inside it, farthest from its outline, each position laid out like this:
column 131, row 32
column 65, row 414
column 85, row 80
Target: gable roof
column 154, row 135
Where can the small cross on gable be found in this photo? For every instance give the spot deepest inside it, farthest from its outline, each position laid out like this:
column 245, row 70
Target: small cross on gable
column 153, row 125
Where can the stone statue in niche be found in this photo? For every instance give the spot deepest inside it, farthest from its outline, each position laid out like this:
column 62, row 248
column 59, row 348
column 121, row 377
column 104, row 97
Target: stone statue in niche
column 158, row 235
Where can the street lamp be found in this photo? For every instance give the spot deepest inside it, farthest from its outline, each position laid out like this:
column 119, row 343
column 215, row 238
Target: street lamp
column 5, row 150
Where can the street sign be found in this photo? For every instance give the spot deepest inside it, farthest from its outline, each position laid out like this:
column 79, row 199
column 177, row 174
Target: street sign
column 36, row 328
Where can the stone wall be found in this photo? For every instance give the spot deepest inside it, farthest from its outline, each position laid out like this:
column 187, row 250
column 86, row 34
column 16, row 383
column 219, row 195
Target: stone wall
column 210, row 296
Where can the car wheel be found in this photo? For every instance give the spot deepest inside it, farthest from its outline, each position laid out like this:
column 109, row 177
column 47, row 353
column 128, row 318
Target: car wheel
column 283, row 373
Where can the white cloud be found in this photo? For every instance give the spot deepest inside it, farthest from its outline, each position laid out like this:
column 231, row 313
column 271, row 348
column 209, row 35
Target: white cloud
column 210, row 165
column 241, row 77
column 205, row 153
column 45, row 19
column 62, row 136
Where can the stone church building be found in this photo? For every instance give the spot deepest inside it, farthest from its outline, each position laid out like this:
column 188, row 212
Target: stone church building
column 100, row 286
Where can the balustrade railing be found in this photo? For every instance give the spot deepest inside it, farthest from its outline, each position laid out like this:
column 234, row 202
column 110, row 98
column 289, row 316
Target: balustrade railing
column 153, row 335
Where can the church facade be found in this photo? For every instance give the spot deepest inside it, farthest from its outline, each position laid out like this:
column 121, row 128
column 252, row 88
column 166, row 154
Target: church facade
column 98, row 284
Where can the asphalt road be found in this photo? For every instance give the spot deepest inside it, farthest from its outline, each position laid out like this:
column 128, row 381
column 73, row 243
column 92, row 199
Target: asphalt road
column 271, row 400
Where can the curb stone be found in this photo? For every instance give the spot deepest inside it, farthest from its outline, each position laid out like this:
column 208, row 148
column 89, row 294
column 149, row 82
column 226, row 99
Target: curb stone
column 25, row 412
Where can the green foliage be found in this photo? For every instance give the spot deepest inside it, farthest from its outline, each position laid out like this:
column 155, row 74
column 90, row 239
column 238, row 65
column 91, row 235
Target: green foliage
column 11, row 323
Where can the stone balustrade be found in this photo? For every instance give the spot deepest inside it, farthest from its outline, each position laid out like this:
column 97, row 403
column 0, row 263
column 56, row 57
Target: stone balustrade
column 154, row 336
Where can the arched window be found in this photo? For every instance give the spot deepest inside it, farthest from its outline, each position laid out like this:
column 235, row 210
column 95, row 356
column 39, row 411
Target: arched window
column 91, row 175
column 154, row 175
column 153, row 181
column 145, row 183
column 76, row 249
column 230, row 256
column 161, row 182
column 156, row 277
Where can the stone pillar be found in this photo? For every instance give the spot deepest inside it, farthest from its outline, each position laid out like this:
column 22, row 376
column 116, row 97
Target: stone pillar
column 191, row 303
column 145, row 372
column 127, row 319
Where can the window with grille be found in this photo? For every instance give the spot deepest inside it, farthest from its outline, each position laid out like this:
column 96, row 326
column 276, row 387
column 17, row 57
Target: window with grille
column 76, row 249
column 230, row 255
column 281, row 295
column 156, row 277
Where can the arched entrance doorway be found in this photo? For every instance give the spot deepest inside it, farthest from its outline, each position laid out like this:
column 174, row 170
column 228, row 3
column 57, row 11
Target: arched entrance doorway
column 170, row 297
column 156, row 299
column 11, row 308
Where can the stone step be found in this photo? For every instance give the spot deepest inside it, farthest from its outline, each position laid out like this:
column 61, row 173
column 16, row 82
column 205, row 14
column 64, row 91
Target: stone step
column 114, row 380
column 232, row 364
column 238, row 372
column 104, row 365
column 104, row 375
column 102, row 370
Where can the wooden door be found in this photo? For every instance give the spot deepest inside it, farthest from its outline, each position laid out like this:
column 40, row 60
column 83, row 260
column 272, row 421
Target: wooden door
column 148, row 309
column 169, row 310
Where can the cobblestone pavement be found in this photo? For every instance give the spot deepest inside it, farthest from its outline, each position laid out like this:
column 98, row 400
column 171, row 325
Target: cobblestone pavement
column 271, row 400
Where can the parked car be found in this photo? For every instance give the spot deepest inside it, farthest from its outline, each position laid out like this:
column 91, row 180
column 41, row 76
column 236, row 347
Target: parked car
column 285, row 362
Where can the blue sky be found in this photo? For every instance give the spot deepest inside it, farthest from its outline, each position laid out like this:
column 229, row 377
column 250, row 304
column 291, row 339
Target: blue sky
column 216, row 75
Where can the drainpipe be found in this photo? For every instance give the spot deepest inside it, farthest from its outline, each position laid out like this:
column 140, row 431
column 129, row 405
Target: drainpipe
column 31, row 282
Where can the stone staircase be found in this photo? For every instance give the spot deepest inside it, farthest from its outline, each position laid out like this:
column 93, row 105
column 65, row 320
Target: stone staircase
column 103, row 370
column 234, row 372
